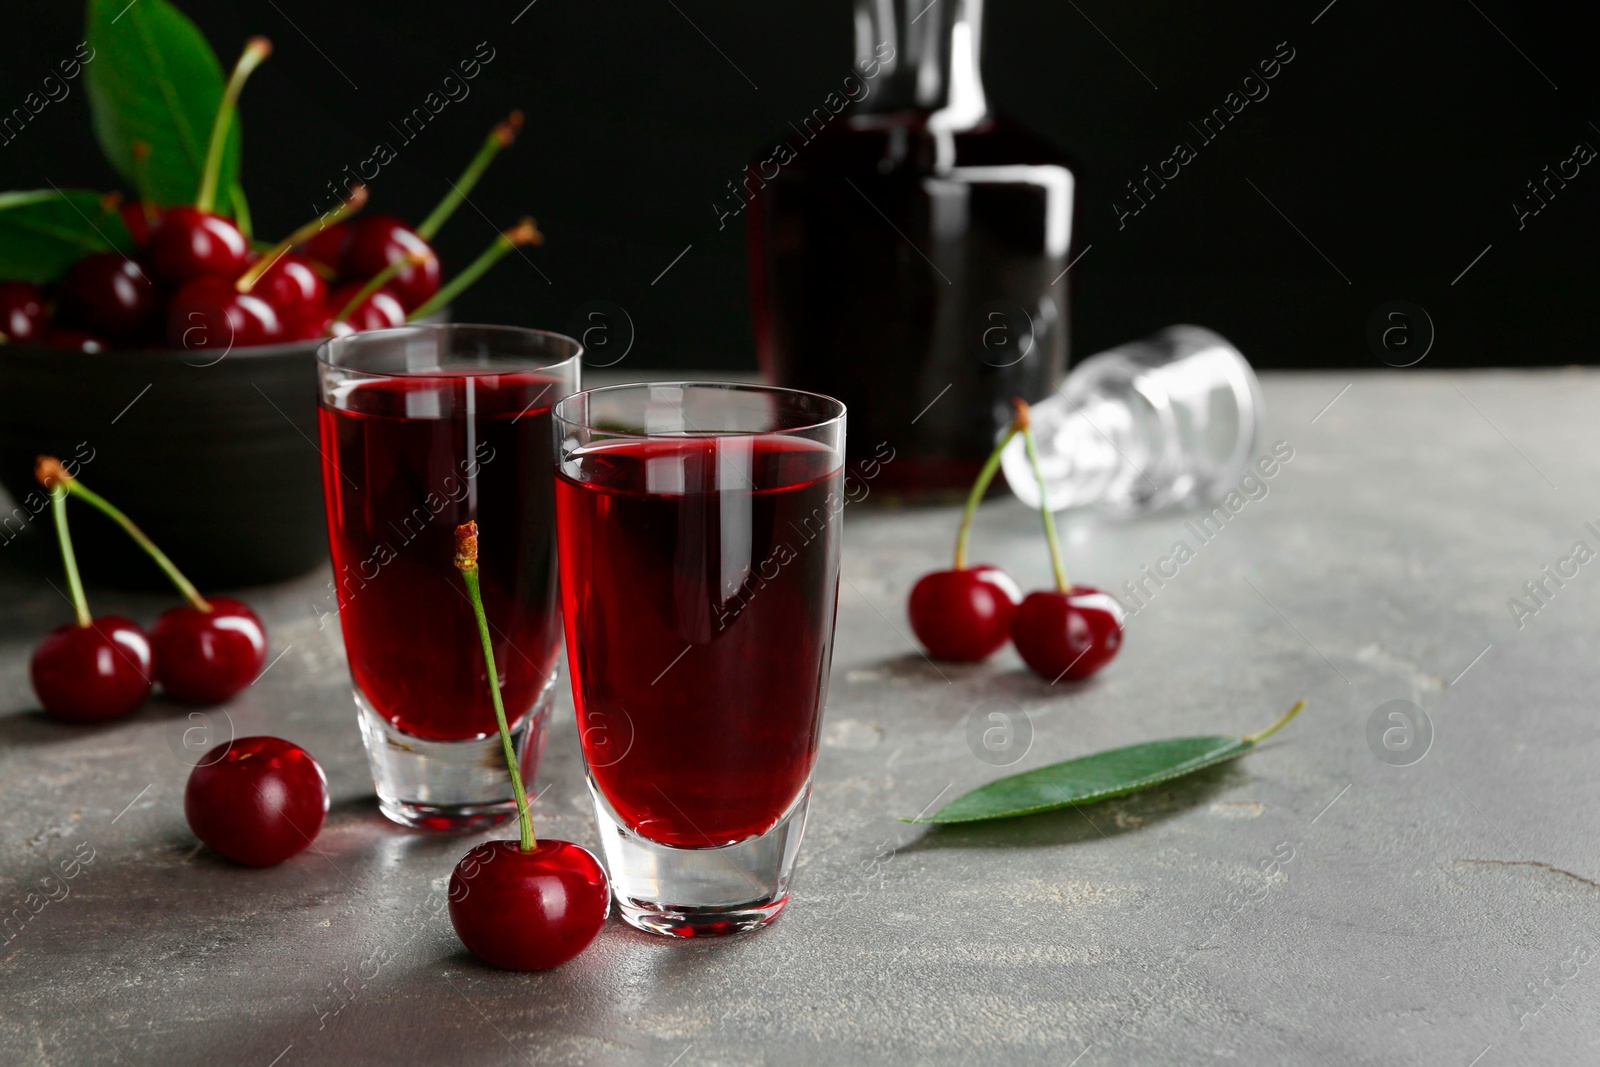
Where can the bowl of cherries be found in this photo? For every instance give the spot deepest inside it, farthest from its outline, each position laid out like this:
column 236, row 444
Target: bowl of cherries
column 156, row 340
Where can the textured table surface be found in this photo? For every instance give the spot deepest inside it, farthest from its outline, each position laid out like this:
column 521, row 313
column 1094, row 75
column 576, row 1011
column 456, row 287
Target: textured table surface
column 1311, row 904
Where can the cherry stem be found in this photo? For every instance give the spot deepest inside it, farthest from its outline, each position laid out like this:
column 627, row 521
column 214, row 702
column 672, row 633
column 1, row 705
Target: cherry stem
column 256, row 50
column 241, row 213
column 1062, row 585
column 1275, row 727
column 356, row 201
column 502, row 136
column 51, row 473
column 525, row 232
column 376, row 282
column 69, row 558
column 467, row 563
column 979, row 488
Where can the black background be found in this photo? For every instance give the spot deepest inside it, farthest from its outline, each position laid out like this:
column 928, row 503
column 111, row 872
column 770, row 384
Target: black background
column 1395, row 141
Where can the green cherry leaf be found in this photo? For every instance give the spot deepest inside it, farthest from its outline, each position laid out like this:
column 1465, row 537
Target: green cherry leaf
column 1099, row 776
column 44, row 231
column 155, row 79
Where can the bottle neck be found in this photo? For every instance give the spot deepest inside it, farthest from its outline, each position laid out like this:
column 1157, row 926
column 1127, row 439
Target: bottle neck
column 923, row 55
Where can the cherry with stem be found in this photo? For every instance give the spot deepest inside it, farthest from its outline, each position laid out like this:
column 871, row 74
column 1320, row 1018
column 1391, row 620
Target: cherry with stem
column 357, row 307
column 378, row 241
column 964, row 614
column 365, row 247
column 520, row 905
column 289, row 281
column 205, row 651
column 93, row 669
column 193, row 242
column 256, row 51
column 525, row 232
column 347, row 207
column 1070, row 631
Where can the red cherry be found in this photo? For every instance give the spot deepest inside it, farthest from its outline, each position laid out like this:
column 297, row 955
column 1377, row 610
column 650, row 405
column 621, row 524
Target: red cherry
column 259, row 800
column 328, row 246
column 22, row 316
column 186, row 243
column 380, row 311
column 379, row 240
column 963, row 615
column 72, row 340
column 211, row 313
column 294, row 289
column 1068, row 635
column 92, row 673
column 317, row 322
column 205, row 657
column 528, row 911
column 111, row 297
column 138, row 223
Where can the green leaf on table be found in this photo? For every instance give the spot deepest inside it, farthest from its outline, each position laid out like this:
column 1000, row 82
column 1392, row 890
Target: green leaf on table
column 154, row 79
column 44, row 231
column 1100, row 776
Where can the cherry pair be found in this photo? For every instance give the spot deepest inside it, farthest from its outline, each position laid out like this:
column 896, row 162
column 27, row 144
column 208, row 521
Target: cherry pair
column 97, row 669
column 968, row 613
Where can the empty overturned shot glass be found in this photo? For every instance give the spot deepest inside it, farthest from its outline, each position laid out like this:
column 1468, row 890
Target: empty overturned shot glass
column 1171, row 420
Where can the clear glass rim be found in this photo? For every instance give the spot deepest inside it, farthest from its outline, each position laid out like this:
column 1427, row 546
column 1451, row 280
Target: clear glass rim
column 329, row 352
column 561, row 414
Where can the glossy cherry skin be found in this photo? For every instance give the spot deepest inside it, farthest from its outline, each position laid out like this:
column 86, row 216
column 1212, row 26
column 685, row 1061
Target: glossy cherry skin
column 963, row 615
column 294, row 289
column 205, row 657
column 379, row 240
column 256, row 800
column 22, row 314
column 186, row 243
column 380, row 311
column 528, row 911
column 72, row 340
column 328, row 246
column 317, row 322
column 92, row 673
column 111, row 297
column 1067, row 635
column 137, row 222
column 211, row 313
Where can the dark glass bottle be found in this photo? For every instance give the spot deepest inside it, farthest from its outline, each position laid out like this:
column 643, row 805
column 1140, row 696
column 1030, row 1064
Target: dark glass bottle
column 908, row 251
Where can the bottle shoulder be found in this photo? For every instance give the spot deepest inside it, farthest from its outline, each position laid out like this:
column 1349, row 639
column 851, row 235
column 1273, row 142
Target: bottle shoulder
column 902, row 141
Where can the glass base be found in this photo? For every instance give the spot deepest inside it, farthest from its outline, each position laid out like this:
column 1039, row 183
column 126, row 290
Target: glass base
column 451, row 785
column 700, row 892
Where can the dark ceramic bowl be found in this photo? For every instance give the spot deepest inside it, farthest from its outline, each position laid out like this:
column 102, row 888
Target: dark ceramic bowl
column 216, row 459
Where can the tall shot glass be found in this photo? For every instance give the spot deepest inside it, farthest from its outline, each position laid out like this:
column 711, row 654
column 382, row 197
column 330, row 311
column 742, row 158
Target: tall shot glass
column 423, row 428
column 699, row 530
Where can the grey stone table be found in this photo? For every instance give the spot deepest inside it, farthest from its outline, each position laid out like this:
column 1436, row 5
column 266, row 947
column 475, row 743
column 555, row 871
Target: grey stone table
column 1416, row 884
